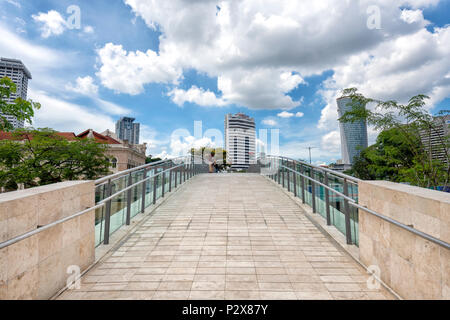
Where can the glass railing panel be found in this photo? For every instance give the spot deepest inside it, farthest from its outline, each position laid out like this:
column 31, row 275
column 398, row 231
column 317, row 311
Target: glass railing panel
column 118, row 204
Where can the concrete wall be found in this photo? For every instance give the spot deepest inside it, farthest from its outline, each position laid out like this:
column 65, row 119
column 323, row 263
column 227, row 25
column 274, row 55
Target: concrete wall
column 36, row 268
column 412, row 266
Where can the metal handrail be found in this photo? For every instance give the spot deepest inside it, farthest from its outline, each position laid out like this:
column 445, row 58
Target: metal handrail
column 319, row 183
column 403, row 226
column 138, row 183
column 98, row 205
column 125, row 172
column 341, row 175
column 48, row 226
column 352, row 202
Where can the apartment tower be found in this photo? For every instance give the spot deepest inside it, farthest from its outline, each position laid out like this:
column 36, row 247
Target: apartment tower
column 240, row 140
column 126, row 129
column 19, row 74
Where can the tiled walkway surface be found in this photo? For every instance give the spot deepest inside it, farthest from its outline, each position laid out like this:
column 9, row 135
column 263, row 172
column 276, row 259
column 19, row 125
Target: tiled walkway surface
column 227, row 237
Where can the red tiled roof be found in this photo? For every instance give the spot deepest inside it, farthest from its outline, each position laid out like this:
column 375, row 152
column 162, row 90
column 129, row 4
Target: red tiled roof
column 67, row 135
column 9, row 136
column 98, row 137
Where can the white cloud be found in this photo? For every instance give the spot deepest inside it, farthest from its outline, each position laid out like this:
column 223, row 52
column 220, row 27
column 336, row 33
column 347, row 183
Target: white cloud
column 397, row 69
column 332, row 142
column 181, row 145
column 52, row 23
column 111, row 108
column 412, row 16
column 127, row 72
column 260, row 89
column 285, row 114
column 14, row 3
column 36, row 57
column 64, row 116
column 84, row 86
column 269, row 122
column 88, row 29
column 196, row 95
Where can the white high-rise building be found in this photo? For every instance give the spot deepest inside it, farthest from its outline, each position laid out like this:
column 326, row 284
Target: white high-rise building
column 19, row 74
column 240, row 140
column 353, row 134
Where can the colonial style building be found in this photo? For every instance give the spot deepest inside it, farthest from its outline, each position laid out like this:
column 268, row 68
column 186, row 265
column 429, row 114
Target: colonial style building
column 124, row 155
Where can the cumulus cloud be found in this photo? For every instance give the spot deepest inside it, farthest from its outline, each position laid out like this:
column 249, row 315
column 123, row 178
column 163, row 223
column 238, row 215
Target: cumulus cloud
column 260, row 89
column 128, row 72
column 52, row 23
column 331, row 142
column 269, row 122
column 196, row 95
column 85, row 86
column 286, row 114
column 397, row 69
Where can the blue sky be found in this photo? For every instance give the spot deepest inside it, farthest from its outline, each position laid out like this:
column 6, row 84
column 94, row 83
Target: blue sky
column 170, row 63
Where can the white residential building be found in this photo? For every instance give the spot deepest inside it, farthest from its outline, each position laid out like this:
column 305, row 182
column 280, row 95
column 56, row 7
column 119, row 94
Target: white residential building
column 240, row 140
column 19, row 74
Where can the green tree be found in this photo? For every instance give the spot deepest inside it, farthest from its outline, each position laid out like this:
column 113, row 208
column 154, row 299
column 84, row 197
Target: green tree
column 41, row 157
column 406, row 155
column 387, row 159
column 22, row 109
column 151, row 160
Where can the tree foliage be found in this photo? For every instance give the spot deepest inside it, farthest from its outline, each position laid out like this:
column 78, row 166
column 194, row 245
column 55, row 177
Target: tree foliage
column 22, row 109
column 399, row 154
column 41, row 157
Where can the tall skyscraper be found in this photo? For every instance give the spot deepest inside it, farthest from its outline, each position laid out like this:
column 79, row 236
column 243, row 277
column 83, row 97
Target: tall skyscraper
column 353, row 135
column 126, row 129
column 19, row 74
column 240, row 140
column 434, row 140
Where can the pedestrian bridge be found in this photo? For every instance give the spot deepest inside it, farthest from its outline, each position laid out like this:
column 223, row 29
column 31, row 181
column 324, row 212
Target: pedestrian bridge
column 294, row 231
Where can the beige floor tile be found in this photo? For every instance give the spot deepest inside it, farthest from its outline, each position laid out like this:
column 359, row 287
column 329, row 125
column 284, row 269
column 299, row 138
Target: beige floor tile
column 277, row 295
column 227, row 237
column 171, row 295
column 208, row 285
column 242, row 295
column 243, row 285
column 207, row 295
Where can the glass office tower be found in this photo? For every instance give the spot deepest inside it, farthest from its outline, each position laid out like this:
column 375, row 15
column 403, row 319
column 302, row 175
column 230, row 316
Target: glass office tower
column 353, row 135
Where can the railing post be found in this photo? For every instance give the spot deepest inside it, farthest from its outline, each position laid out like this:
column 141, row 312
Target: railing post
column 176, row 176
column 163, row 182
column 107, row 213
column 302, row 181
column 288, row 177
column 184, row 172
column 130, row 182
column 170, row 180
column 181, row 176
column 348, row 234
column 279, row 171
column 327, row 199
column 144, row 190
column 294, row 177
column 155, row 185
column 313, row 191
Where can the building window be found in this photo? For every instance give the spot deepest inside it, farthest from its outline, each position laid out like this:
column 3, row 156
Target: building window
column 114, row 163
